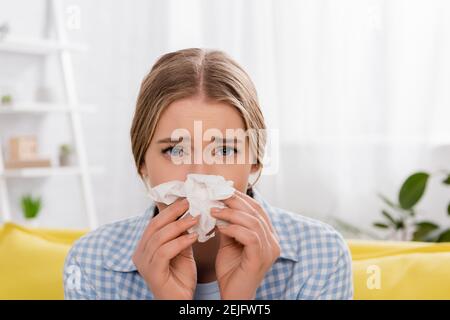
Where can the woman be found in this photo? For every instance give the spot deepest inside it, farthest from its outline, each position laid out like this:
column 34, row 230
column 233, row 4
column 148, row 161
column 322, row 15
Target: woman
column 263, row 253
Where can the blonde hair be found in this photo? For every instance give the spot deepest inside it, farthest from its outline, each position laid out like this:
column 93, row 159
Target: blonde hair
column 189, row 72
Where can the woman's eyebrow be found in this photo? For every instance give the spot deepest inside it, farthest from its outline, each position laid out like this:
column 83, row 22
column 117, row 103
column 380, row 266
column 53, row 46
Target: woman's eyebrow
column 171, row 140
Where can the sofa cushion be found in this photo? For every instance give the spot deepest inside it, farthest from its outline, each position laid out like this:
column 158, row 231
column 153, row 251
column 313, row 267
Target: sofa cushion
column 32, row 262
column 400, row 270
column 32, row 259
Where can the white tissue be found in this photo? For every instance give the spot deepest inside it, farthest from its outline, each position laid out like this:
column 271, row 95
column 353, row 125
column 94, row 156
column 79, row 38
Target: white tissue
column 203, row 192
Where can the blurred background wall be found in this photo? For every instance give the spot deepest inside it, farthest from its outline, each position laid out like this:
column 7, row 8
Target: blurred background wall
column 358, row 89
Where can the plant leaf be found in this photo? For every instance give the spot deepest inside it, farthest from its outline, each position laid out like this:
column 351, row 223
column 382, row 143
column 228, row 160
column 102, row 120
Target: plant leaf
column 381, row 225
column 412, row 190
column 387, row 201
column 399, row 225
column 444, row 236
column 389, row 217
column 423, row 230
column 30, row 206
column 448, row 209
column 446, row 180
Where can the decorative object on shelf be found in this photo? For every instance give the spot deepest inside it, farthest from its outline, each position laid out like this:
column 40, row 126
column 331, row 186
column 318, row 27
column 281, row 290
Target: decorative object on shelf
column 30, row 208
column 6, row 99
column 23, row 153
column 44, row 94
column 8, row 95
column 404, row 223
column 65, row 155
column 4, row 30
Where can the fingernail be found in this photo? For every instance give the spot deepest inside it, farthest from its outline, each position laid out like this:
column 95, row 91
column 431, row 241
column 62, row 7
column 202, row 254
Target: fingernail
column 193, row 235
column 216, row 210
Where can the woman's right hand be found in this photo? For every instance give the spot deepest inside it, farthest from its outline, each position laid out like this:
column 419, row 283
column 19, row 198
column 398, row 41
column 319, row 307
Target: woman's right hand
column 164, row 256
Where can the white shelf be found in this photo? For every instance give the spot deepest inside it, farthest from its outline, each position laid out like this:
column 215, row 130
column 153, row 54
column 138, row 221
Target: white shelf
column 36, row 46
column 46, row 172
column 33, row 107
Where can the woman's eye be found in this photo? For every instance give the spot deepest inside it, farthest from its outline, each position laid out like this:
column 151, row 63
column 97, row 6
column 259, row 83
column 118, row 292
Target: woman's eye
column 174, row 151
column 226, row 151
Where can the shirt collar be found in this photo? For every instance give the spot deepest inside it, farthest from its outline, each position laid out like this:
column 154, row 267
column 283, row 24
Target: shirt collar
column 118, row 254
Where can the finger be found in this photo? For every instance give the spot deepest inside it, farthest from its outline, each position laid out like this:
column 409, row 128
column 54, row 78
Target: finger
column 248, row 238
column 259, row 210
column 171, row 231
column 242, row 204
column 256, row 206
column 236, row 202
column 170, row 250
column 242, row 218
column 166, row 216
column 274, row 242
column 224, row 240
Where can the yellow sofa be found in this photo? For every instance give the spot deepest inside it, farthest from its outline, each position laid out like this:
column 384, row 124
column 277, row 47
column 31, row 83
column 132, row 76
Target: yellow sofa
column 31, row 262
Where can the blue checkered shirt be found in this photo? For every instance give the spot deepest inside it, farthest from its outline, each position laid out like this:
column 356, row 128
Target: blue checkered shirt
column 314, row 262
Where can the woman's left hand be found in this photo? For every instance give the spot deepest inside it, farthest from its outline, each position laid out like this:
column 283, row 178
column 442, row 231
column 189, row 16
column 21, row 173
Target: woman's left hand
column 248, row 247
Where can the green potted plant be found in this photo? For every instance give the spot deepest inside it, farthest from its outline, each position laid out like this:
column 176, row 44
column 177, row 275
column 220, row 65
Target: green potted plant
column 401, row 218
column 30, row 207
column 6, row 99
column 65, row 155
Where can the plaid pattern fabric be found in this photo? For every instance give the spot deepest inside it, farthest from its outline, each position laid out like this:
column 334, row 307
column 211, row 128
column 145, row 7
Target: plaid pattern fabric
column 314, row 263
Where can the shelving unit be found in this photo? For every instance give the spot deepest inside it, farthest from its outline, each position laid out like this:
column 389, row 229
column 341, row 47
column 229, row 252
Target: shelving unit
column 37, row 46
column 71, row 107
column 46, row 172
column 34, row 107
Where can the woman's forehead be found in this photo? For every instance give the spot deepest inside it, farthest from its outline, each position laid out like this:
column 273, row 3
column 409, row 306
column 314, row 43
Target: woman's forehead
column 194, row 114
